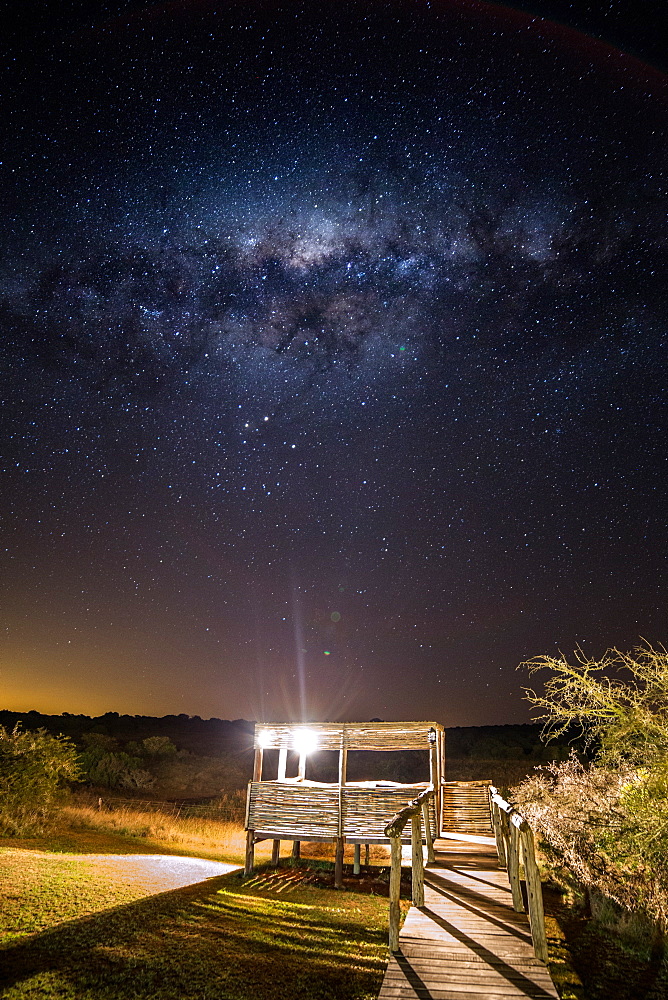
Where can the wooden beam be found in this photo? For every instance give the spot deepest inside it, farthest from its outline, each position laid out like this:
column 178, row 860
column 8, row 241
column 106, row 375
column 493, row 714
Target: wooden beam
column 282, row 763
column 435, row 776
column 340, row 840
column 275, row 852
column 366, row 855
column 296, row 850
column 257, row 764
column 357, row 860
column 343, row 768
column 301, row 773
column 248, row 802
column 438, row 804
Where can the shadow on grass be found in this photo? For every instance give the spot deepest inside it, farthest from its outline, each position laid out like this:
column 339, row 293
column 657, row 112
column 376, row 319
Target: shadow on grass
column 215, row 939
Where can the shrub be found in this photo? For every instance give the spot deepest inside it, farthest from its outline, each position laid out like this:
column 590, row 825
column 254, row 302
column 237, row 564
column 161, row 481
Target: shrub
column 620, row 702
column 158, row 746
column 606, row 824
column 104, row 763
column 35, row 769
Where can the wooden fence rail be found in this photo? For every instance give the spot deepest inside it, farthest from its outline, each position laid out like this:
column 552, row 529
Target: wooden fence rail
column 515, row 844
column 416, row 811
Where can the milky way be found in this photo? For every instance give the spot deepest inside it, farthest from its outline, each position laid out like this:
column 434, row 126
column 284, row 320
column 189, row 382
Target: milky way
column 333, row 358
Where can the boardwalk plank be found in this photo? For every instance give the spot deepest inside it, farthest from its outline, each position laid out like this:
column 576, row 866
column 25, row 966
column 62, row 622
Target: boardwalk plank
column 467, row 942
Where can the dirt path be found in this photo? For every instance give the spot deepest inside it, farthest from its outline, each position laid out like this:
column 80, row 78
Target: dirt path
column 154, row 872
column 146, row 874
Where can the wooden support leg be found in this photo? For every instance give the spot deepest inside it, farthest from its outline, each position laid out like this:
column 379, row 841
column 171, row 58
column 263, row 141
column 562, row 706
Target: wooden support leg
column 534, row 895
column 395, row 892
column 418, row 860
column 296, row 850
column 338, row 863
column 514, row 868
column 250, row 852
column 275, row 852
column 356, row 862
column 497, row 825
column 366, row 855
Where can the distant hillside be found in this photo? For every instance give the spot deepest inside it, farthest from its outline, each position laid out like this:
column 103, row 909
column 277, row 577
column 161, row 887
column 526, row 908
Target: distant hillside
column 204, row 737
column 209, row 737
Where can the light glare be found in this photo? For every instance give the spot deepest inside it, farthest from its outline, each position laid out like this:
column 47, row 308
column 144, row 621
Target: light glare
column 304, row 740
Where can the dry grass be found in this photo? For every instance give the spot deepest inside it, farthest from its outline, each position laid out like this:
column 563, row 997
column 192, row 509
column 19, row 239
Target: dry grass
column 221, row 839
column 201, row 835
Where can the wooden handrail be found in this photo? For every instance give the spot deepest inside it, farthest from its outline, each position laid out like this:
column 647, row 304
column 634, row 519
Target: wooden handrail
column 499, row 801
column 514, row 843
column 396, row 825
column 416, row 810
column 514, row 840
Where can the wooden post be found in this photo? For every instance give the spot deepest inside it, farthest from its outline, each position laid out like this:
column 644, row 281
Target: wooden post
column 366, row 855
column 395, row 892
column 248, row 868
column 301, row 772
column 505, row 834
column 435, row 770
column 275, row 852
column 498, row 834
column 338, row 863
column 343, row 766
column 514, row 867
column 282, row 763
column 356, row 860
column 250, row 851
column 257, row 764
column 417, row 859
column 431, row 857
column 534, row 894
column 438, row 805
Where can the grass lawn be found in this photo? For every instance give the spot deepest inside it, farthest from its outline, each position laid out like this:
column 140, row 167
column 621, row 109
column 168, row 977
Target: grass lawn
column 69, row 931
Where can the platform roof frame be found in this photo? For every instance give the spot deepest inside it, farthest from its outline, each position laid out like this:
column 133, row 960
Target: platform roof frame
column 375, row 736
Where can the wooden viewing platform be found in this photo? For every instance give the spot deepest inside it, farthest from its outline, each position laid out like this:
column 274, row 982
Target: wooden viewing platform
column 466, row 942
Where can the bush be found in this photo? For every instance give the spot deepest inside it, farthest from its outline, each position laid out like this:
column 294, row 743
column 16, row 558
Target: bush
column 158, row 746
column 104, row 763
column 35, row 769
column 605, row 824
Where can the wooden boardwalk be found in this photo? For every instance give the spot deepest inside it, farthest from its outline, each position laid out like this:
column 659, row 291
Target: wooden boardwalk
column 466, row 942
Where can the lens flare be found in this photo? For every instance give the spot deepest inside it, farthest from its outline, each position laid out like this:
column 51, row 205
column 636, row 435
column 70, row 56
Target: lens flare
column 304, row 741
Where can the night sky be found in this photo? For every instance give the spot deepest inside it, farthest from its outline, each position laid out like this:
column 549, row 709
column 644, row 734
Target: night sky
column 333, row 353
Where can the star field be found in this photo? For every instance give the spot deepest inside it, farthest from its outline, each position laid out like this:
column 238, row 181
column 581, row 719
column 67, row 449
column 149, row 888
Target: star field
column 333, row 357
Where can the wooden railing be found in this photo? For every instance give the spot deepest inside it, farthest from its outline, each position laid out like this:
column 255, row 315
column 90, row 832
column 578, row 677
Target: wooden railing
column 416, row 811
column 515, row 842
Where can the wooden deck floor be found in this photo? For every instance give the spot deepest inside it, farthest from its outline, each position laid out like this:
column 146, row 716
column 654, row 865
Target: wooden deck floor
column 466, row 942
